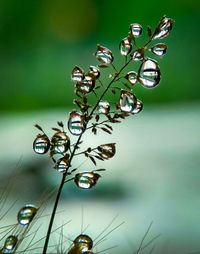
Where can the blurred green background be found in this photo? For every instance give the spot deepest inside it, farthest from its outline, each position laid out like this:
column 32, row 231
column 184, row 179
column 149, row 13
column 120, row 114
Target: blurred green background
column 41, row 41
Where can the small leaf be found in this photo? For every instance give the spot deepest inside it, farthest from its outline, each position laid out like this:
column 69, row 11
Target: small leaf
column 106, row 130
column 60, row 124
column 149, row 31
column 39, row 127
column 97, row 117
column 94, row 130
column 93, row 160
column 108, row 126
column 56, row 129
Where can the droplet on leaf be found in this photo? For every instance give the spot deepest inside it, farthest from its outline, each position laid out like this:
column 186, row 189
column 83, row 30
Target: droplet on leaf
column 76, row 123
column 125, row 46
column 26, row 214
column 95, row 71
column 41, row 144
column 136, row 29
column 163, row 29
column 84, row 239
column 149, row 73
column 159, row 49
column 104, row 55
column 131, row 76
column 60, row 143
column 138, row 108
column 107, row 151
column 9, row 244
column 87, row 84
column 138, row 55
column 127, row 102
column 62, row 164
column 86, row 180
column 77, row 74
column 104, row 107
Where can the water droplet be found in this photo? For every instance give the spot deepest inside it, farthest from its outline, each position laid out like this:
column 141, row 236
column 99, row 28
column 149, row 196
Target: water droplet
column 87, row 84
column 77, row 74
column 41, row 144
column 138, row 108
column 131, row 76
column 9, row 244
column 86, row 180
column 76, row 123
column 104, row 55
column 62, row 164
column 138, row 55
column 125, row 46
column 85, row 239
column 60, row 143
column 127, row 101
column 163, row 29
column 104, row 107
column 95, row 71
column 149, row 73
column 159, row 49
column 136, row 29
column 26, row 214
column 107, row 151
column 78, row 248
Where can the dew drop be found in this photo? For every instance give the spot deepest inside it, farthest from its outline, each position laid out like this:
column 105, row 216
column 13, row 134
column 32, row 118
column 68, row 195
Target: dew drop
column 62, row 164
column 87, row 84
column 159, row 49
column 9, row 244
column 85, row 239
column 138, row 108
column 26, row 214
column 95, row 71
column 131, row 76
column 60, row 143
column 107, row 151
column 138, row 55
column 149, row 73
column 104, row 107
column 127, row 101
column 136, row 29
column 86, row 180
column 104, row 55
column 78, row 248
column 77, row 74
column 125, row 46
column 76, row 123
column 41, row 144
column 163, row 29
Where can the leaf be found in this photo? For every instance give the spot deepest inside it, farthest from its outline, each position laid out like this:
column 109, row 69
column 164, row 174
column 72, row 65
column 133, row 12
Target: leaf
column 39, row 127
column 108, row 126
column 93, row 160
column 106, row 130
column 97, row 117
column 94, row 130
column 99, row 157
column 60, row 124
column 149, row 31
column 56, row 129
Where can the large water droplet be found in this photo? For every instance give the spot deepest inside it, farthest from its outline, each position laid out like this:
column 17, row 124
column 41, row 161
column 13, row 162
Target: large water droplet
column 125, row 46
column 26, row 214
column 62, row 164
column 87, row 84
column 60, row 143
column 41, row 144
column 131, row 76
column 104, row 55
column 138, row 108
column 163, row 29
column 76, row 123
column 159, row 49
column 77, row 74
column 95, row 71
column 127, row 101
column 9, row 244
column 104, row 107
column 136, row 29
column 107, row 151
column 149, row 73
column 86, row 180
column 84, row 239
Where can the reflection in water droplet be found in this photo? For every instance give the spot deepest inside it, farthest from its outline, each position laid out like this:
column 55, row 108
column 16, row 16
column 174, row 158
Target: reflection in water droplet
column 104, row 55
column 131, row 76
column 138, row 108
column 163, row 29
column 9, row 244
column 86, row 180
column 63, row 164
column 127, row 101
column 87, row 84
column 77, row 74
column 138, row 55
column 159, row 49
column 41, row 144
column 95, row 71
column 149, row 73
column 104, row 107
column 26, row 214
column 60, row 143
column 136, row 29
column 107, row 151
column 84, row 239
column 125, row 46
column 76, row 123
